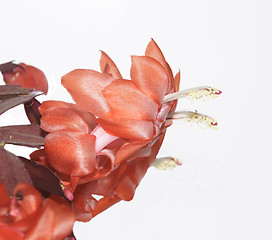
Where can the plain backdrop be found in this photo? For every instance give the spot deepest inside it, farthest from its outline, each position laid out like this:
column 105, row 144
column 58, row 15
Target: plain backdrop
column 223, row 189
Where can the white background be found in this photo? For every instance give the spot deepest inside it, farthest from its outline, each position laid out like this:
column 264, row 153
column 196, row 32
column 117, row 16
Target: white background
column 223, row 189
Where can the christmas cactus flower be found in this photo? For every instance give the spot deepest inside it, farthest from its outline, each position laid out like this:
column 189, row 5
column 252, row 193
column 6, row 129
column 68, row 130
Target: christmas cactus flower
column 105, row 142
column 91, row 153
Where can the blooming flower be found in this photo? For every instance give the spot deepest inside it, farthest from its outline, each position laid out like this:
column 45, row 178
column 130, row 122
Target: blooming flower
column 134, row 109
column 26, row 215
column 104, row 144
column 125, row 108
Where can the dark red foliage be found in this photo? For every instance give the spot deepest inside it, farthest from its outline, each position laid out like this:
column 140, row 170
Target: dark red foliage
column 14, row 170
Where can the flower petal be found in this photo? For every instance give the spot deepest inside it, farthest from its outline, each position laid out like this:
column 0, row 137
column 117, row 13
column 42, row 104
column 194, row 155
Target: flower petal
column 8, row 232
column 127, row 149
column 39, row 156
column 54, row 221
column 150, row 77
column 59, row 118
column 71, row 152
column 88, row 118
column 4, row 200
column 104, row 204
column 177, row 81
column 129, row 181
column 126, row 188
column 127, row 128
column 64, row 218
column 85, row 87
column 127, row 102
column 155, row 52
column 107, row 162
column 176, row 89
column 85, row 206
column 31, row 198
column 108, row 66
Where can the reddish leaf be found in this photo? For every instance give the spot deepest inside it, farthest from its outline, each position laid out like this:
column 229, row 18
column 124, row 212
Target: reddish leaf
column 11, row 102
column 25, row 135
column 9, row 66
column 15, row 169
column 32, row 111
column 43, row 178
column 12, row 170
column 6, row 90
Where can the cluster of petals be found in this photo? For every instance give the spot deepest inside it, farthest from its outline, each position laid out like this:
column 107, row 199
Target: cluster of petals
column 105, row 142
column 27, row 215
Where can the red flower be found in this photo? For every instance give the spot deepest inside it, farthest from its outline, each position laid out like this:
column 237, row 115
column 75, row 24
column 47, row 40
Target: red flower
column 105, row 143
column 130, row 125
column 126, row 109
column 25, row 215
column 131, row 116
column 130, row 109
column 25, row 75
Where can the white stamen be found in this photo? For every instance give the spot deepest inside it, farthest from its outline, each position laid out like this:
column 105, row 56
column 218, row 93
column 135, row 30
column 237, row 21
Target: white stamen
column 166, row 163
column 201, row 120
column 203, row 93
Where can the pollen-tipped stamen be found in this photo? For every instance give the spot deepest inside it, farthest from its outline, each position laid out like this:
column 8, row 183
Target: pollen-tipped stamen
column 166, row 163
column 203, row 93
column 201, row 120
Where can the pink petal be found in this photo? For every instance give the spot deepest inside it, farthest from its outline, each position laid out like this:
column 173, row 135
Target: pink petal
column 127, row 102
column 108, row 66
column 150, row 77
column 85, row 87
column 102, row 138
